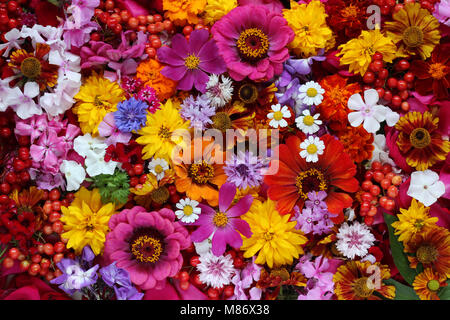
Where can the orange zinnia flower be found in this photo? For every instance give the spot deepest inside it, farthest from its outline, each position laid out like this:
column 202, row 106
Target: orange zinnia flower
column 334, row 104
column 201, row 178
column 295, row 177
column 149, row 72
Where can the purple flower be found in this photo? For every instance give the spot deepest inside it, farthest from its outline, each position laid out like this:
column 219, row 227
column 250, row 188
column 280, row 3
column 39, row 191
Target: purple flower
column 131, row 115
column 320, row 284
column 74, row 277
column 198, row 110
column 112, row 275
column 315, row 200
column 190, row 62
column 108, row 128
column 225, row 224
column 245, row 170
column 128, row 293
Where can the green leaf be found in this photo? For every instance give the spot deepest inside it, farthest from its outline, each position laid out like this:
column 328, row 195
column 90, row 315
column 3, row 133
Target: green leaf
column 402, row 292
column 400, row 259
column 444, row 293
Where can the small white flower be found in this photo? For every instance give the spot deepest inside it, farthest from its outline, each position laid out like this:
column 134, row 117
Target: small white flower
column 381, row 152
column 354, row 240
column 426, row 187
column 86, row 143
column 216, row 271
column 204, row 246
column 308, row 124
column 369, row 111
column 278, row 116
column 219, row 93
column 188, row 210
column 23, row 102
column 158, row 167
column 312, row 147
column 311, row 93
column 75, row 174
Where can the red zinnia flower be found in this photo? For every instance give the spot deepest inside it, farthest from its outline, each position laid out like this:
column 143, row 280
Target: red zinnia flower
column 296, row 177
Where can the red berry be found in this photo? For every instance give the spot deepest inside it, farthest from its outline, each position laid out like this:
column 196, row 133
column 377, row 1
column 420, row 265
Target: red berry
column 8, row 263
column 369, row 77
column 372, row 212
column 385, row 183
column 58, row 257
column 366, row 185
column 382, row 201
column 376, row 65
column 392, row 83
column 397, row 180
column 378, row 176
column 402, row 85
column 405, row 106
column 54, row 194
column 238, row 262
column 408, row 77
column 368, row 220
column 195, row 260
column 56, row 205
column 58, row 227
column 157, row 17
column 54, row 216
column 375, row 190
column 45, row 263
column 184, row 285
column 376, row 165
column 396, row 101
column 368, row 175
column 383, row 74
column 11, row 177
column 387, row 95
column 403, row 65
column 138, row 169
column 14, row 253
column 133, row 23
column 386, row 168
column 390, row 204
column 34, row 269
column 366, row 196
column 59, row 247
column 213, row 293
column 228, row 291
column 36, row 258
column 392, row 191
column 380, row 91
column 5, row 188
column 24, row 265
column 377, row 56
column 187, row 30
column 184, row 276
column 48, row 249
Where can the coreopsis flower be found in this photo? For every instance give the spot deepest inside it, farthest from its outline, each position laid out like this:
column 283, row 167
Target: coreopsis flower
column 275, row 240
column 414, row 30
column 308, row 21
column 354, row 240
column 427, row 284
column 216, row 271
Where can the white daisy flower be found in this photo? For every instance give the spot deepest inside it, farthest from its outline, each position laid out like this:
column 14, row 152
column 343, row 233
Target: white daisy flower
column 311, row 147
column 216, row 271
column 219, row 92
column 311, row 93
column 354, row 240
column 158, row 167
column 426, row 187
column 308, row 124
column 188, row 210
column 278, row 115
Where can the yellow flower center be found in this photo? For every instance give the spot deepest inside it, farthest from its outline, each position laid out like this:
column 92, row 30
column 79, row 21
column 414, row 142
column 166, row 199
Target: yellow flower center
column 221, row 121
column 361, row 289
column 158, row 168
column 418, row 224
column 350, row 12
column 188, row 210
column 30, row 67
column 268, row 236
column 413, row 37
column 420, row 138
column 146, row 249
column 311, row 149
column 164, row 132
column 252, row 44
column 426, row 254
column 310, row 180
column 308, row 120
column 248, row 93
column 278, row 115
column 191, row 62
column 201, row 172
column 220, row 219
column 160, row 195
column 311, row 92
column 437, row 70
column 433, row 285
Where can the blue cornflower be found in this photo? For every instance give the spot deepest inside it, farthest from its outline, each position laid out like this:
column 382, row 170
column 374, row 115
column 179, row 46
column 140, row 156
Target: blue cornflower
column 131, row 115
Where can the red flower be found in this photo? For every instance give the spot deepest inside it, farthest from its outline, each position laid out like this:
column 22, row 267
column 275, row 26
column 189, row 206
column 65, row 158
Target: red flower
column 433, row 75
column 25, row 287
column 127, row 154
column 296, row 177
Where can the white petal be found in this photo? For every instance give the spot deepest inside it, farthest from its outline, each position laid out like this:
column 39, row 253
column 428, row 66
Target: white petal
column 437, row 189
column 371, row 125
column 355, row 102
column 31, row 89
column 355, row 118
column 392, row 118
column 371, row 97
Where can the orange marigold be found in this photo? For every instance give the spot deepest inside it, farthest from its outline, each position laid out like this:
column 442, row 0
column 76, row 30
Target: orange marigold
column 358, row 143
column 149, row 72
column 334, row 104
column 181, row 10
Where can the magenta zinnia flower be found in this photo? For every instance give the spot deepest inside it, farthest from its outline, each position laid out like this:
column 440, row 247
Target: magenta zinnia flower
column 252, row 40
column 224, row 223
column 188, row 63
column 147, row 245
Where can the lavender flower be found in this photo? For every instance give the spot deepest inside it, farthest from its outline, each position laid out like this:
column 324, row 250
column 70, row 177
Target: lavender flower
column 198, row 110
column 245, row 170
column 131, row 115
column 128, row 293
column 112, row 275
column 74, row 277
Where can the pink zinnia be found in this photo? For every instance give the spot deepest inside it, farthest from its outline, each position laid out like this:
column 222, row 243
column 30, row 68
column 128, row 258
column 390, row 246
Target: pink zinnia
column 224, row 223
column 147, row 245
column 252, row 40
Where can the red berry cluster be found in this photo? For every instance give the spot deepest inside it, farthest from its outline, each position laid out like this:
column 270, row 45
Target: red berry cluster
column 10, row 15
column 380, row 187
column 388, row 7
column 393, row 89
column 187, row 30
column 137, row 175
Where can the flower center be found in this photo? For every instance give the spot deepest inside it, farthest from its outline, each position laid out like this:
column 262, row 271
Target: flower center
column 308, row 120
column 426, row 254
column 252, row 44
column 310, row 180
column 311, row 149
column 187, row 210
column 311, row 92
column 278, row 115
column 160, row 195
column 413, row 37
column 361, row 289
column 268, row 236
column 164, row 132
column 221, row 121
column 30, row 67
column 242, row 169
column 420, row 138
column 433, row 285
column 201, row 172
column 146, row 249
column 191, row 62
column 158, row 168
column 350, row 12
column 248, row 93
column 220, row 219
column 437, row 70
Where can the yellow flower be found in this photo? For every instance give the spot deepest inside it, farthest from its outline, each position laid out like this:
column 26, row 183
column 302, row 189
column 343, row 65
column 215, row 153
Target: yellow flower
column 97, row 97
column 308, row 21
column 413, row 220
column 414, row 30
column 157, row 136
column 86, row 221
column 358, row 52
column 276, row 239
column 216, row 9
column 428, row 283
column 181, row 10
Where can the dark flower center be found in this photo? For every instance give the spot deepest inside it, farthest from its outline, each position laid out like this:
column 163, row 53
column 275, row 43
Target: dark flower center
column 242, row 169
column 420, row 138
column 310, row 180
column 30, row 67
column 248, row 93
column 413, row 37
column 201, row 172
column 252, row 44
column 361, row 289
column 221, row 121
column 426, row 254
column 437, row 70
column 146, row 245
column 160, row 195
